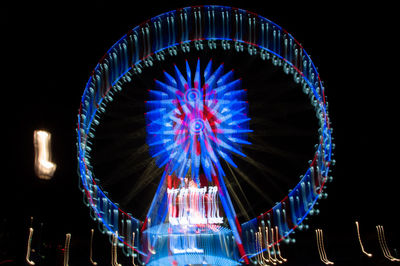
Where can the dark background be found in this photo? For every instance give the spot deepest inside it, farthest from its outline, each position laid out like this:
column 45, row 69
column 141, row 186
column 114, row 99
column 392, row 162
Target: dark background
column 49, row 52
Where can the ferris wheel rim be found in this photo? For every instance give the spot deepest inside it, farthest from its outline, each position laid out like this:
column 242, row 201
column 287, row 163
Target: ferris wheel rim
column 276, row 58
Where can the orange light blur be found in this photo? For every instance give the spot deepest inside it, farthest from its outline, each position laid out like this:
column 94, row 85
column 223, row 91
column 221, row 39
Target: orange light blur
column 359, row 240
column 321, row 248
column 383, row 244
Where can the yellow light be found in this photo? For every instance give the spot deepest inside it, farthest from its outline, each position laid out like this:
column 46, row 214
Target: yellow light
column 278, row 245
column 66, row 249
column 321, row 248
column 359, row 240
column 383, row 244
column 114, row 251
column 28, row 250
column 91, row 248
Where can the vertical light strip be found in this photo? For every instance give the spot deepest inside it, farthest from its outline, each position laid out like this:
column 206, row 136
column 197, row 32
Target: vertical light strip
column 44, row 168
column 318, row 246
column 383, row 244
column 274, row 259
column 359, row 240
column 321, row 248
column 150, row 248
column 258, row 248
column 278, row 245
column 133, row 249
column 91, row 248
column 114, row 252
column 66, row 249
column 28, row 249
column 267, row 245
column 264, row 260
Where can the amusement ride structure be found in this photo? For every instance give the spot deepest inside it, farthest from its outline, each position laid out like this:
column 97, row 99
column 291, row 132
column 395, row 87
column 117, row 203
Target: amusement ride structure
column 197, row 127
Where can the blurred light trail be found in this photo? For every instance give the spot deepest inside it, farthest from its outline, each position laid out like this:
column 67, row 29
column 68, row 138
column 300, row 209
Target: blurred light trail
column 66, row 249
column 91, row 248
column 383, row 244
column 321, row 248
column 28, row 249
column 269, row 259
column 149, row 246
column 6, row 261
column 278, row 245
column 274, row 259
column 359, row 240
column 114, row 252
column 260, row 236
column 259, row 248
column 133, row 250
column 44, row 168
column 269, row 240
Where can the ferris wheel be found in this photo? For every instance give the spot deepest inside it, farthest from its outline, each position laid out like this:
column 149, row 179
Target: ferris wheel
column 188, row 111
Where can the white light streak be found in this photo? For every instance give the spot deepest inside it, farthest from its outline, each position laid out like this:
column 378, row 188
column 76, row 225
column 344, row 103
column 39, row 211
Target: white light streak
column 66, row 249
column 114, row 252
column 259, row 248
column 133, row 249
column 278, row 245
column 44, row 168
column 191, row 203
column 383, row 244
column 91, row 248
column 359, row 240
column 259, row 238
column 267, row 245
column 274, row 259
column 28, row 249
column 321, row 248
column 151, row 249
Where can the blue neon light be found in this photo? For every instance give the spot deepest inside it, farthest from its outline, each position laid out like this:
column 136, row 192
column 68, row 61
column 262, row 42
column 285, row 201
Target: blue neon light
column 192, row 125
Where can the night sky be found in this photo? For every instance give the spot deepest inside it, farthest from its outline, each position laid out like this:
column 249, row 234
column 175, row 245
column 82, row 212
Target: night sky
column 50, row 51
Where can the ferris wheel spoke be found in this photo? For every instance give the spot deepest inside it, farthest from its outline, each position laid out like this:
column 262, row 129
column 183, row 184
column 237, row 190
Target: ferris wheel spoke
column 243, row 197
column 253, row 185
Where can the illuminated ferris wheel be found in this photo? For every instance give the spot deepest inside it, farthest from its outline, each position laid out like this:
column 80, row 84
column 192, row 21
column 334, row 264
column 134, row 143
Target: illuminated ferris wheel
column 187, row 111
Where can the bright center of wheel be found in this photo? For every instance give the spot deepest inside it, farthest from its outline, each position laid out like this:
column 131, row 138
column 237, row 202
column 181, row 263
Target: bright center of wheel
column 196, row 120
column 196, row 126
